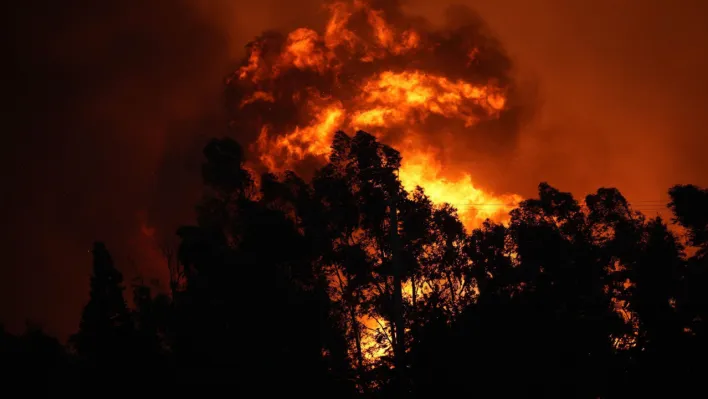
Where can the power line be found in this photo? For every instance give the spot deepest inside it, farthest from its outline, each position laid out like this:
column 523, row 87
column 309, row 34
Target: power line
column 645, row 203
column 645, row 206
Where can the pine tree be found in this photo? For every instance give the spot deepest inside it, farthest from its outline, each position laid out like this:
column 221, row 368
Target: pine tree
column 105, row 329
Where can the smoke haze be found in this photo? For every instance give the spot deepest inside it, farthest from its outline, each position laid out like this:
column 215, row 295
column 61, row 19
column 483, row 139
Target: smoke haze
column 109, row 104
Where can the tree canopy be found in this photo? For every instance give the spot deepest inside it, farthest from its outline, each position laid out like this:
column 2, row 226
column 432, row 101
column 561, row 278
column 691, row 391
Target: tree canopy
column 289, row 286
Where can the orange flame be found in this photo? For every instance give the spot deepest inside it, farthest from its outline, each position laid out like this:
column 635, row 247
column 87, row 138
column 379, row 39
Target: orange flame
column 474, row 206
column 364, row 72
column 381, row 101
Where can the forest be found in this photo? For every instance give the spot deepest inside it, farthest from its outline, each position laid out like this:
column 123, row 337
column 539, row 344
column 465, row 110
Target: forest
column 346, row 285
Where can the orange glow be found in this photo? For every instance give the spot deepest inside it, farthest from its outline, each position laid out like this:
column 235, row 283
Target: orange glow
column 350, row 77
column 314, row 139
column 382, row 101
column 396, row 98
column 474, row 206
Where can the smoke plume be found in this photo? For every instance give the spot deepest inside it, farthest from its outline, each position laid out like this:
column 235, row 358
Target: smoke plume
column 109, row 104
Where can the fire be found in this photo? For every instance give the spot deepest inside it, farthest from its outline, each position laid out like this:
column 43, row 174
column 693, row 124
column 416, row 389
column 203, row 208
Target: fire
column 349, row 77
column 409, row 96
column 313, row 139
column 421, row 168
column 371, row 68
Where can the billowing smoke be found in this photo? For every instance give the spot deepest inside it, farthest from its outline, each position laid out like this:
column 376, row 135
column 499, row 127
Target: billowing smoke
column 110, row 102
column 370, row 66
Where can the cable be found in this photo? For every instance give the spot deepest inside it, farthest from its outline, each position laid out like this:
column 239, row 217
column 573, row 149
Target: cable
column 643, row 206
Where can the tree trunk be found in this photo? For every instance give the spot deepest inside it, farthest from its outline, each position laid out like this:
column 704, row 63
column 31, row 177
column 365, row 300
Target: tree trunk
column 357, row 339
column 453, row 302
column 355, row 323
column 400, row 349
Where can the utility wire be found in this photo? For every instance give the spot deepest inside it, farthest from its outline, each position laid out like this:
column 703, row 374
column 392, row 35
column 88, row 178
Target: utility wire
column 644, row 203
column 644, row 206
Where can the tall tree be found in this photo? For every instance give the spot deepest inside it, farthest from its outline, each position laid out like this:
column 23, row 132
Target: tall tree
column 104, row 335
column 253, row 298
column 689, row 204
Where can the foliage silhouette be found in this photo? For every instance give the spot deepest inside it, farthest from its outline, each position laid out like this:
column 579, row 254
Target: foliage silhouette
column 106, row 326
column 291, row 282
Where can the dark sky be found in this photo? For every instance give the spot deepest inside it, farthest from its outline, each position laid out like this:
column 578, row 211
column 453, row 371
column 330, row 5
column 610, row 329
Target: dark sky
column 108, row 104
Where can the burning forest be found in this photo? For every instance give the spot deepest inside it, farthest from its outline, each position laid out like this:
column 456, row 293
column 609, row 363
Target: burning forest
column 372, row 68
column 343, row 247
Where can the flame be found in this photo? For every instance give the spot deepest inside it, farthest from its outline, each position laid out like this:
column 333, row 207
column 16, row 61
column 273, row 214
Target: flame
column 474, row 206
column 313, row 139
column 379, row 102
column 396, row 98
column 372, row 71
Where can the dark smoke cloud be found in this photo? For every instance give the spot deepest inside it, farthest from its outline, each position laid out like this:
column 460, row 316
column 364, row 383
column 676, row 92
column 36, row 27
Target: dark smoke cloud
column 444, row 50
column 107, row 104
column 623, row 88
column 111, row 103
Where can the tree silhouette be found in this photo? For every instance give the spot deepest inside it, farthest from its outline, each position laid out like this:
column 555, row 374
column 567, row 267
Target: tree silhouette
column 105, row 329
column 690, row 207
column 250, row 273
column 295, row 282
